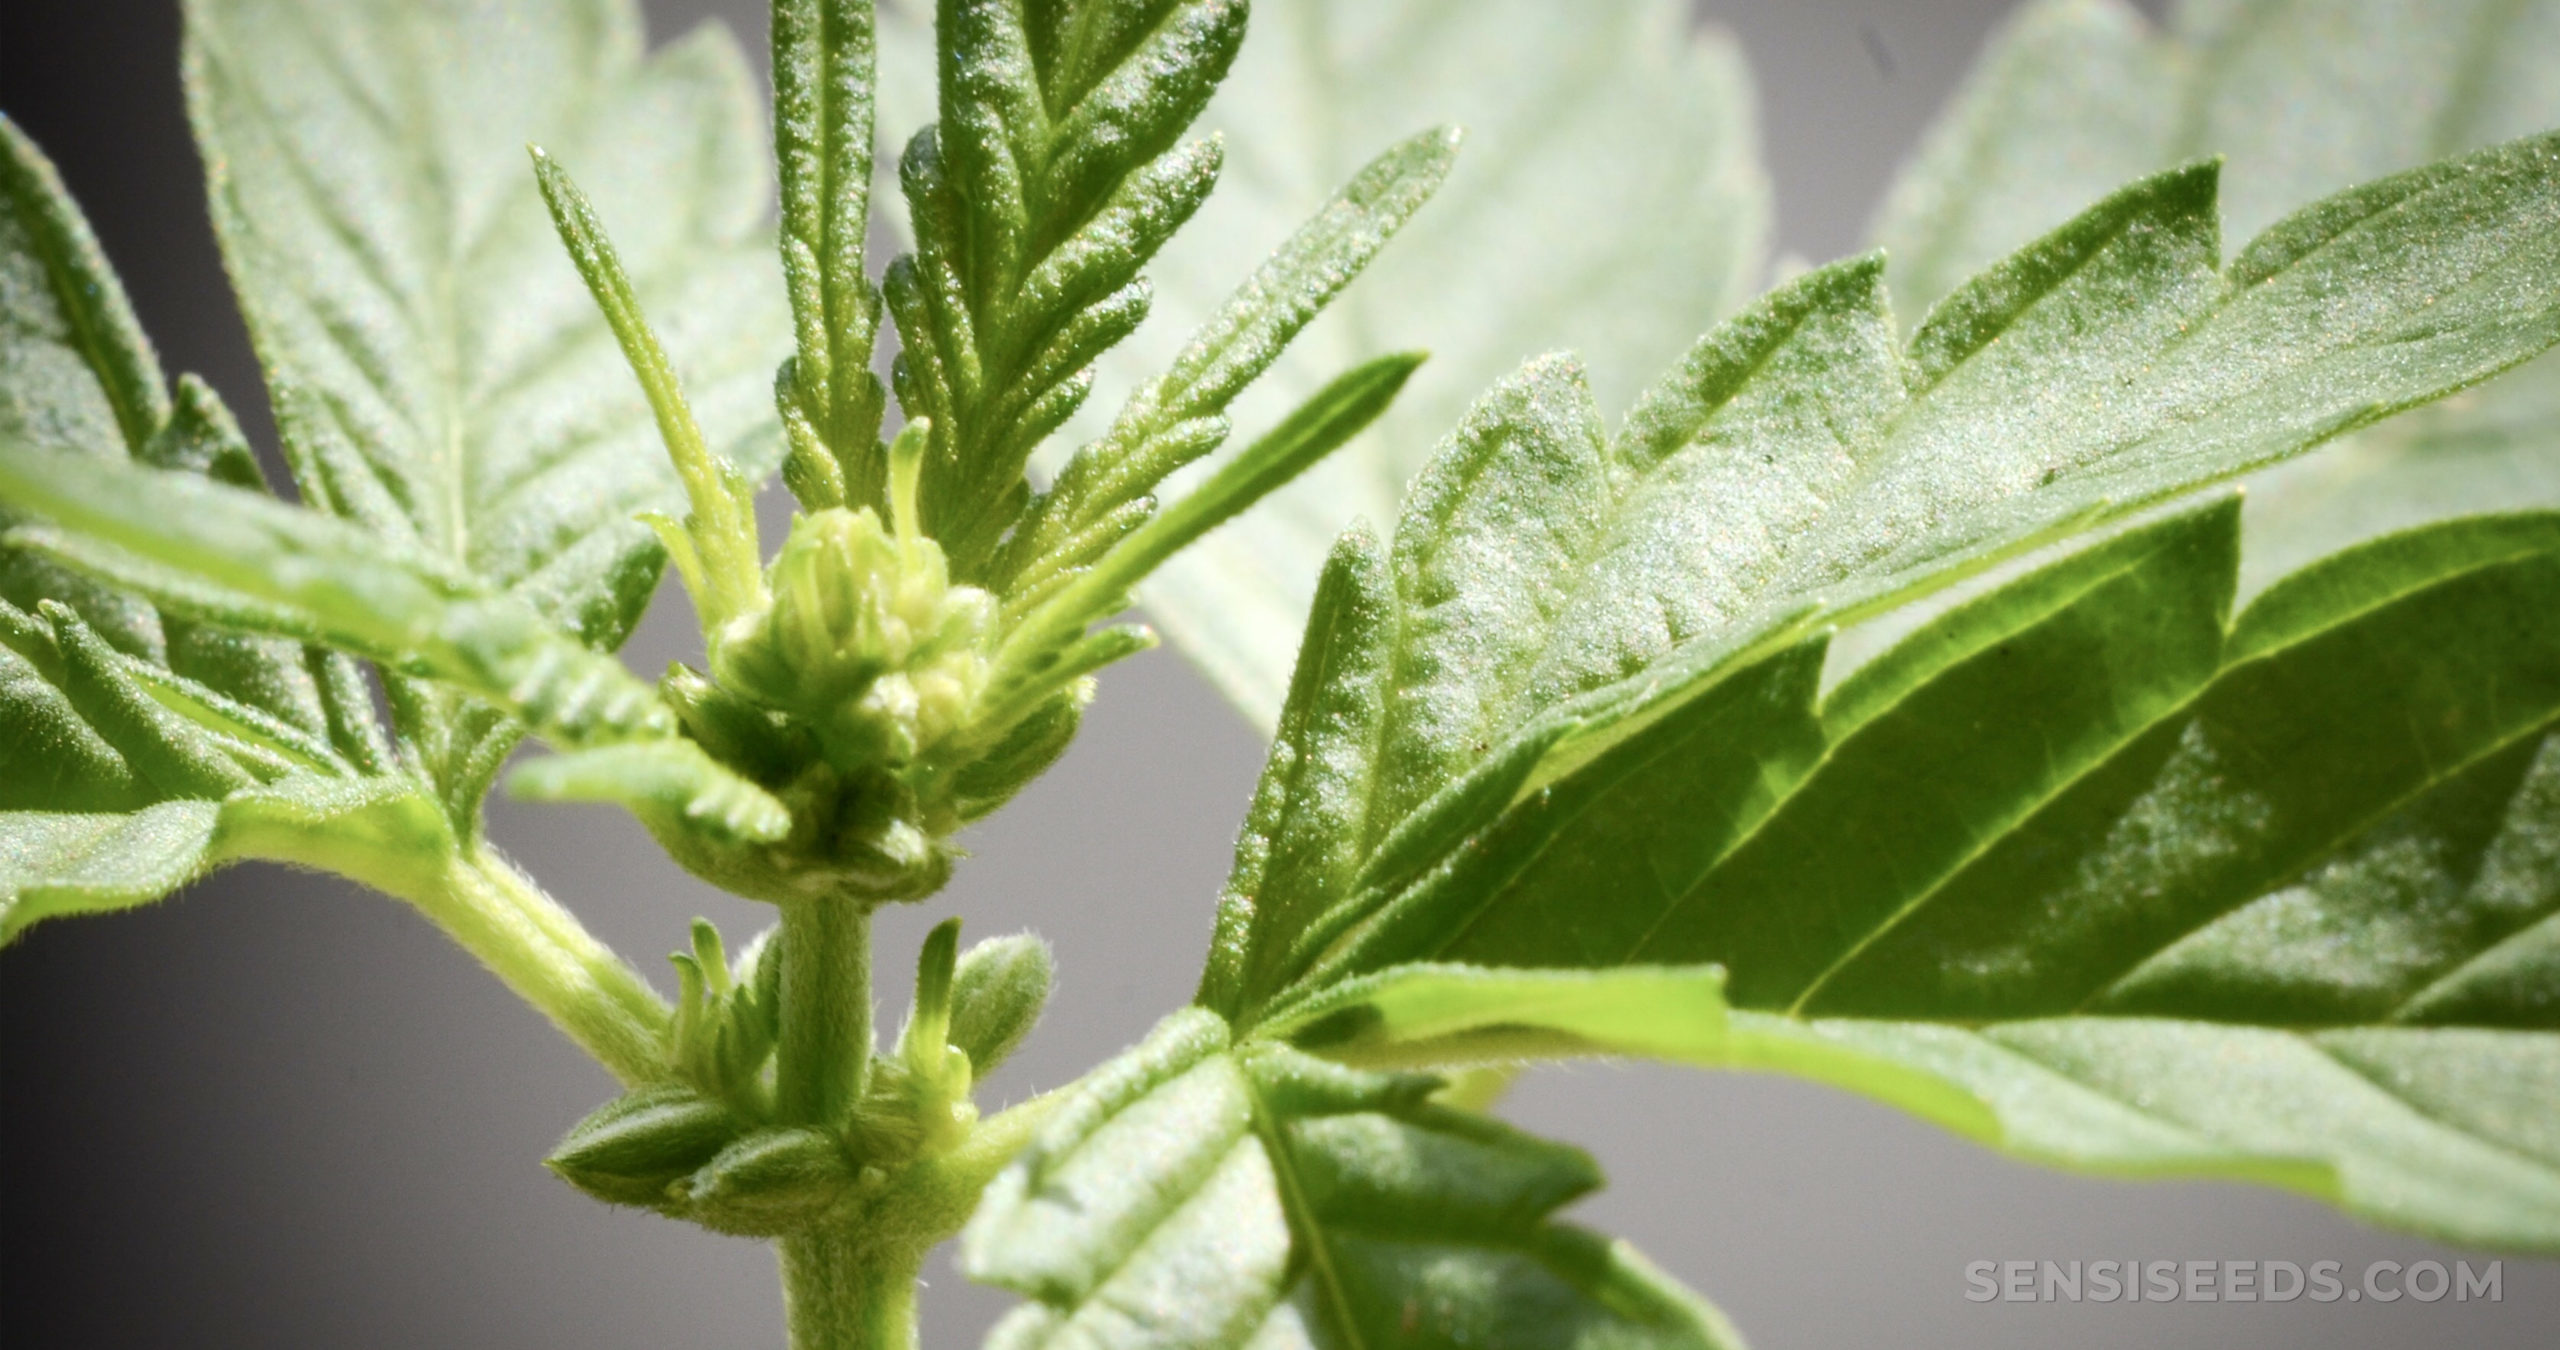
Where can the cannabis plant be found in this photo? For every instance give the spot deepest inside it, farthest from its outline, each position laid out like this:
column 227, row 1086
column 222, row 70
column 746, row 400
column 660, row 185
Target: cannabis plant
column 1910, row 703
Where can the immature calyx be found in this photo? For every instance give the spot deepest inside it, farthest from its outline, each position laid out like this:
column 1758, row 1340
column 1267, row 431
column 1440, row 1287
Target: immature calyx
column 864, row 639
column 860, row 685
column 706, row 1145
column 921, row 647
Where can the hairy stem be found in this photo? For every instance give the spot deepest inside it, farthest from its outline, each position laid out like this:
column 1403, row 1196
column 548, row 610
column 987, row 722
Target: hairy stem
column 840, row 1293
column 825, row 1043
column 551, row 961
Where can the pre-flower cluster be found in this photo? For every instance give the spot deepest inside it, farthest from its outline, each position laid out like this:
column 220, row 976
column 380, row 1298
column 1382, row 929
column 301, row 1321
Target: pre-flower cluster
column 864, row 639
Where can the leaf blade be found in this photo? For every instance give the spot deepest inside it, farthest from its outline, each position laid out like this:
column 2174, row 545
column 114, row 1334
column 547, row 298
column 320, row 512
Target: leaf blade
column 2075, row 95
column 365, row 258
column 1332, row 1196
column 2158, row 1097
column 56, row 864
column 248, row 558
column 1680, row 194
column 1443, row 1015
column 2411, row 910
column 143, row 749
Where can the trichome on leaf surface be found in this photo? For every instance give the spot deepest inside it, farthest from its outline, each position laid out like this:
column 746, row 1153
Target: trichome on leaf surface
column 1907, row 702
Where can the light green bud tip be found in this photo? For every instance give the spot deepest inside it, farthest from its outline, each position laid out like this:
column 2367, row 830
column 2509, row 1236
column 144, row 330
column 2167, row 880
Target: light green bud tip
column 865, row 638
column 996, row 997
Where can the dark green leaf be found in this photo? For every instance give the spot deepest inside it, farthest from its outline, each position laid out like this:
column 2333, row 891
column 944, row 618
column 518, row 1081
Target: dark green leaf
column 2088, row 871
column 2312, row 734
column 143, row 749
column 1197, row 1193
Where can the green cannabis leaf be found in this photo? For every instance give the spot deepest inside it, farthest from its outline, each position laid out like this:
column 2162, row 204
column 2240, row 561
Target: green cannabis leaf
column 145, row 748
column 2137, row 946
column 1052, row 175
column 436, row 369
column 472, row 519
column 455, row 404
column 1634, row 250
column 1591, row 667
column 1344, row 1208
column 1917, row 708
column 463, row 464
column 240, row 560
column 922, row 644
column 1060, row 128
column 2074, row 96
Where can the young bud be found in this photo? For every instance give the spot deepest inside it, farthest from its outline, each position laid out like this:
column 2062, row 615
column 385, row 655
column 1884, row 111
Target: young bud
column 996, row 997
column 759, row 970
column 631, row 1149
column 769, row 1183
column 724, row 1021
column 740, row 734
column 865, row 638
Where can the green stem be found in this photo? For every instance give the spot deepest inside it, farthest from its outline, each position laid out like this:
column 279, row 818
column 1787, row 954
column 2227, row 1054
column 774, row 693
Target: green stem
column 542, row 953
column 825, row 1044
column 841, row 1294
column 855, row 1288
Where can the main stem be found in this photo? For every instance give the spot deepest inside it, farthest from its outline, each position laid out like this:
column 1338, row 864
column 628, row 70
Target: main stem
column 839, row 1292
column 825, row 1044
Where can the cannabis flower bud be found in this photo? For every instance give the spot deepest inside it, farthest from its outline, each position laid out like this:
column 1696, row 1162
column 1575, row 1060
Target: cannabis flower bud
column 864, row 638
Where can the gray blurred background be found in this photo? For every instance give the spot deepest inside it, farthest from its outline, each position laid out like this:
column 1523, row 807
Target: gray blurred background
column 281, row 1112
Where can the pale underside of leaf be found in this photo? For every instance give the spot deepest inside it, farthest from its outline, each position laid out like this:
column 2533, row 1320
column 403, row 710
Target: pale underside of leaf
column 437, row 368
column 2444, row 1131
column 1443, row 1015
column 2302, row 97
